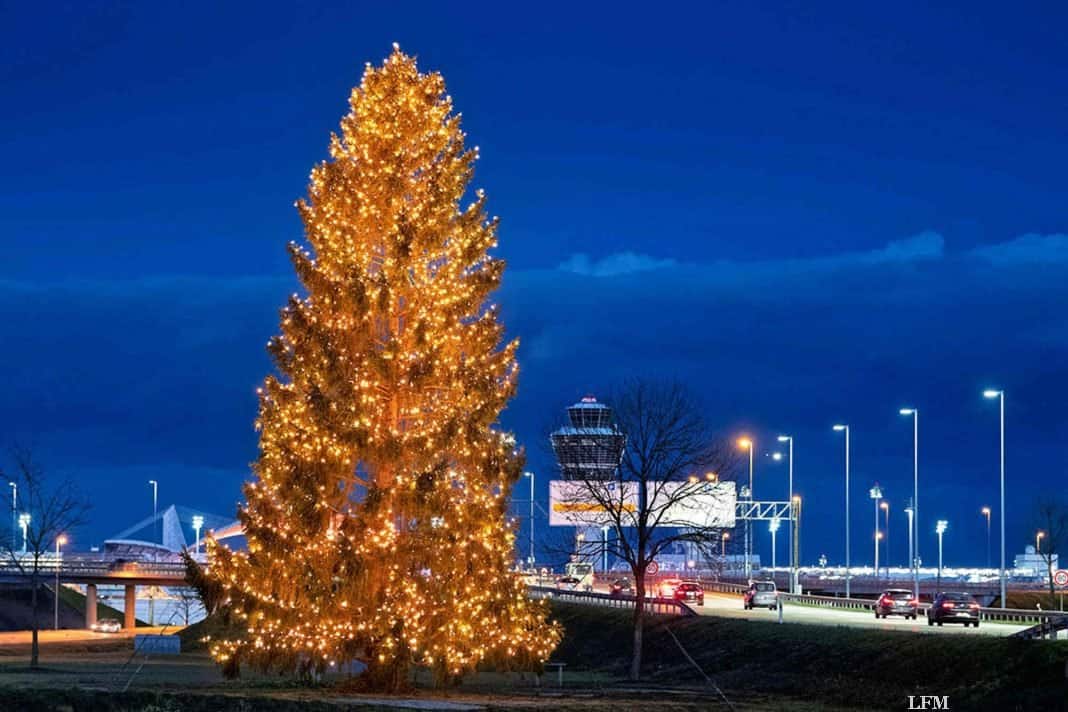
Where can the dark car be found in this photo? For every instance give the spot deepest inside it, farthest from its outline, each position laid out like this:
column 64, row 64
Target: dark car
column 897, row 602
column 690, row 591
column 621, row 587
column 954, row 608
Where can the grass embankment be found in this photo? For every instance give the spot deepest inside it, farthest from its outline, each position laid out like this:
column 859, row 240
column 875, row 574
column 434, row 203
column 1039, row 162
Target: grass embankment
column 73, row 599
column 866, row 669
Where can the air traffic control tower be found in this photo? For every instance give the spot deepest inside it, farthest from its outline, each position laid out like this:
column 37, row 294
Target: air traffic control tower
column 590, row 448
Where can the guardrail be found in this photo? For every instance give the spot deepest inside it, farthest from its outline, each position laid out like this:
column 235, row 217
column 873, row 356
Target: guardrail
column 118, row 569
column 1046, row 629
column 661, row 606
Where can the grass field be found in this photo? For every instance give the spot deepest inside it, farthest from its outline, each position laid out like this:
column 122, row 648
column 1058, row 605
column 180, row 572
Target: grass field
column 758, row 665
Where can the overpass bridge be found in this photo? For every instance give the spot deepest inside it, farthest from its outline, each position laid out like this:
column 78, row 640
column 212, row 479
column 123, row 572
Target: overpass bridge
column 95, row 571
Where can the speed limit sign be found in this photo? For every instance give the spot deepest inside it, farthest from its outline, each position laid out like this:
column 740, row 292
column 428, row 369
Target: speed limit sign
column 1060, row 577
column 653, row 567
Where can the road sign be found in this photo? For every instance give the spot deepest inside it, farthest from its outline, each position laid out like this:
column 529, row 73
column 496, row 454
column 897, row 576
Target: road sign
column 1060, row 577
column 652, row 568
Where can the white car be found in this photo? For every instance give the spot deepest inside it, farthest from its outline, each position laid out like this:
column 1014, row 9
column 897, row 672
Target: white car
column 107, row 625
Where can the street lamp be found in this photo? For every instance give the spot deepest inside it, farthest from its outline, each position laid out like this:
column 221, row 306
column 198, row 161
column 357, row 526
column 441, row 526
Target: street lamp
column 985, row 511
column 198, row 522
column 155, row 493
column 604, row 549
column 876, row 494
column 885, row 506
column 1000, row 395
column 845, row 429
column 773, row 527
column 796, row 504
column 723, row 541
column 940, row 528
column 60, row 541
column 24, row 522
column 914, row 531
column 14, row 506
column 1038, row 541
column 747, row 443
column 909, row 512
column 790, row 483
column 531, row 476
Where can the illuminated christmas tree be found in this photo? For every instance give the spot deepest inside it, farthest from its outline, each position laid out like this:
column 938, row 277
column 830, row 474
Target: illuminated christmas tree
column 376, row 525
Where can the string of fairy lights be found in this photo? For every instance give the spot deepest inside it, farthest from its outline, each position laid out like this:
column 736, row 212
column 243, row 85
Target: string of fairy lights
column 376, row 523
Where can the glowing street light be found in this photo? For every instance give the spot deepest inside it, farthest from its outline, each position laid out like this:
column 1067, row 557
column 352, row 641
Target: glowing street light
column 914, row 533
column 14, row 506
column 198, row 522
column 876, row 494
column 747, row 443
column 60, row 541
column 885, row 506
column 940, row 529
column 790, row 484
column 723, row 541
column 531, row 476
column 24, row 523
column 1038, row 541
column 985, row 511
column 1000, row 395
column 773, row 527
column 845, row 429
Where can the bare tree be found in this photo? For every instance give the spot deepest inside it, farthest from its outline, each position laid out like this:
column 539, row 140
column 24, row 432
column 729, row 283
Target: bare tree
column 54, row 510
column 664, row 492
column 1052, row 516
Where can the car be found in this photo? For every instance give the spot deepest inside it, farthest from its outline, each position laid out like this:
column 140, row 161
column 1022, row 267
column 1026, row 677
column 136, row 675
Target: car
column 954, row 608
column 690, row 591
column 568, row 583
column 761, row 594
column 897, row 602
column 667, row 587
column 106, row 625
column 620, row 587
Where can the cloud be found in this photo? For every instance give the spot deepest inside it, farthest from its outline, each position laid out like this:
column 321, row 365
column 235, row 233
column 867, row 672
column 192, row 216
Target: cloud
column 927, row 245
column 614, row 265
column 1029, row 248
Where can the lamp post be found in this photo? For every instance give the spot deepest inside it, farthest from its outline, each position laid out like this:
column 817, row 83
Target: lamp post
column 885, row 506
column 531, row 476
column 773, row 527
column 912, row 556
column 1038, row 541
column 985, row 511
column 198, row 522
column 796, row 503
column 723, row 540
column 155, row 496
column 604, row 549
column 24, row 523
column 845, row 429
column 1000, row 395
column 789, row 440
column 14, row 507
column 940, row 528
column 747, row 443
column 60, row 541
column 876, row 494
column 915, row 504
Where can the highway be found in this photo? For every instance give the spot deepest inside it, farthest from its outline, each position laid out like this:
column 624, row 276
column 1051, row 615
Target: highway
column 730, row 606
column 727, row 605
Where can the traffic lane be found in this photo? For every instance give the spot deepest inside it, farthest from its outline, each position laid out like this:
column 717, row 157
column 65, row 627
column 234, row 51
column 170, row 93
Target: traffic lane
column 726, row 605
column 74, row 635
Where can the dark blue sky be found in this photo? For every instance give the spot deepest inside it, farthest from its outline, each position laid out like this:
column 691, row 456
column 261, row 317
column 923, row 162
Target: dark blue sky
column 811, row 215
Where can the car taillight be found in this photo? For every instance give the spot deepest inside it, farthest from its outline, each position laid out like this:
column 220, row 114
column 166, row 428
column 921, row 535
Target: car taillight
column 973, row 605
column 884, row 601
column 913, row 602
column 947, row 604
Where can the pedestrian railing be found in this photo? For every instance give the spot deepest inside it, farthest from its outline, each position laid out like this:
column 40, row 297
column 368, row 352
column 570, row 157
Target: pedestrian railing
column 659, row 606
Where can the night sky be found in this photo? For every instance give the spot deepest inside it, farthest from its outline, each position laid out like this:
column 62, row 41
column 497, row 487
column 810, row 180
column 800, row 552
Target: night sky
column 810, row 215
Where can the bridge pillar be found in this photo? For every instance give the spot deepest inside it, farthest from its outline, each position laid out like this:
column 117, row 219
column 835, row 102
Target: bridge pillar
column 90, row 604
column 130, row 607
